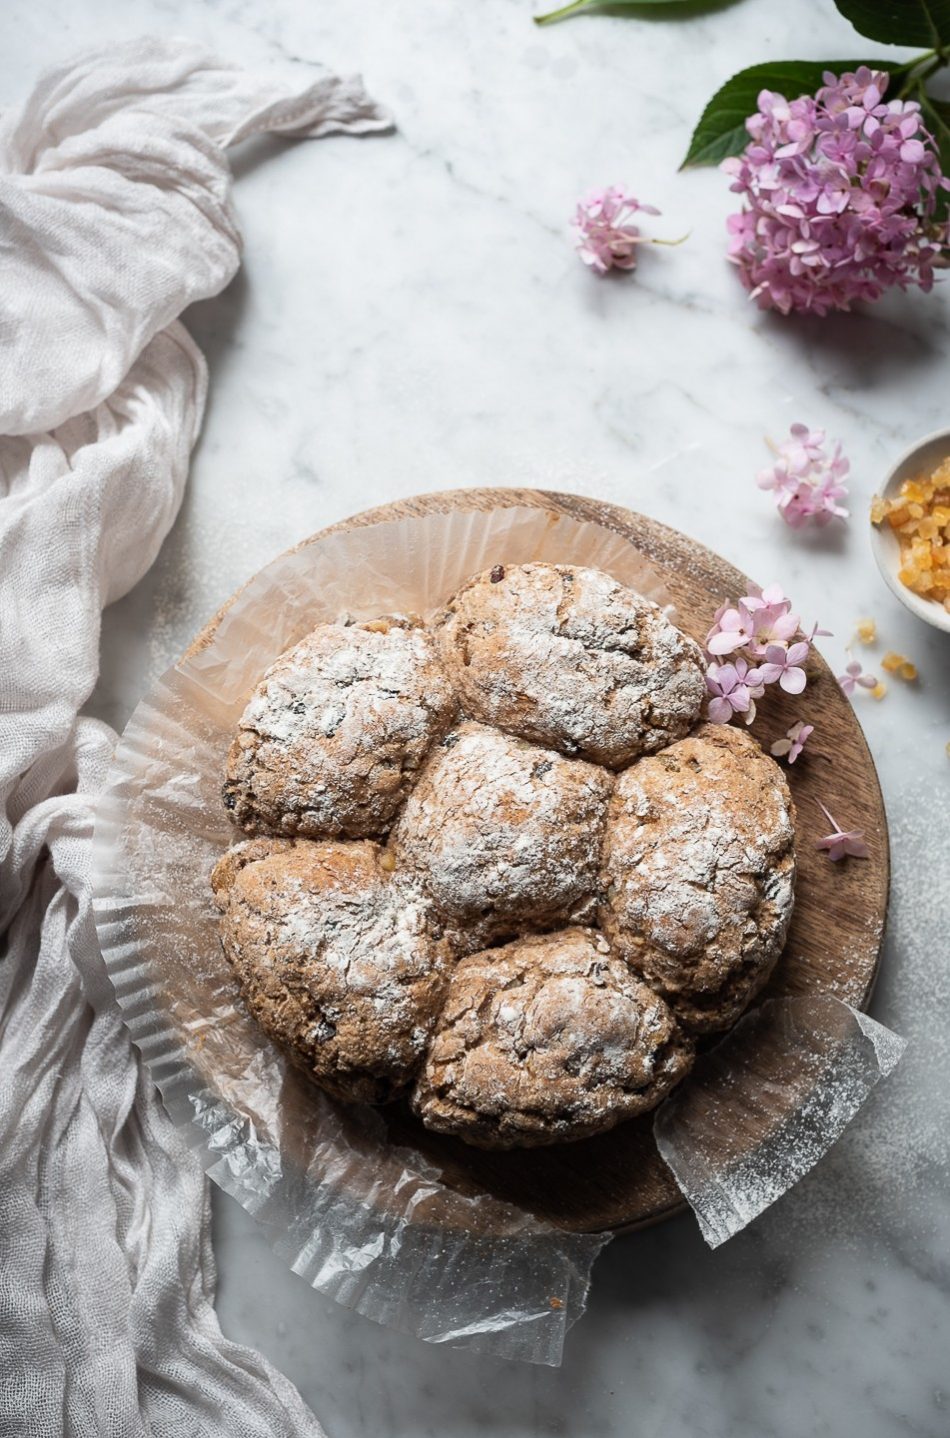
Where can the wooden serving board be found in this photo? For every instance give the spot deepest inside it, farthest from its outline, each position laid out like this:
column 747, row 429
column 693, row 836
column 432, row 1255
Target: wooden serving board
column 618, row 1180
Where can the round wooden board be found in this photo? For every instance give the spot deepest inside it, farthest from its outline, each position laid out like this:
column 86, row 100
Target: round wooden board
column 618, row 1180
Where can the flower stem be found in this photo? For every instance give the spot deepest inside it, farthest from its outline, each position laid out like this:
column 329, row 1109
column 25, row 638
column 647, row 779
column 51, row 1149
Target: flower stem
column 563, row 12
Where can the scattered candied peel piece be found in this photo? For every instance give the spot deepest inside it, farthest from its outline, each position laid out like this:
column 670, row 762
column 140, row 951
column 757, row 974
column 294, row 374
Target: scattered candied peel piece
column 897, row 664
column 866, row 630
column 920, row 517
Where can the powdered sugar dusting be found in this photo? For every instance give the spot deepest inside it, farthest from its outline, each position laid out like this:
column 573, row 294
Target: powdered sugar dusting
column 548, row 1038
column 699, row 872
column 501, row 828
column 567, row 657
column 336, row 957
column 497, row 836
column 335, row 732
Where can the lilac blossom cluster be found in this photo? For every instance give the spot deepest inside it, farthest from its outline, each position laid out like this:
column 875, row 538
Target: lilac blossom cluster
column 808, row 482
column 840, row 195
column 758, row 634
column 764, row 644
column 605, row 235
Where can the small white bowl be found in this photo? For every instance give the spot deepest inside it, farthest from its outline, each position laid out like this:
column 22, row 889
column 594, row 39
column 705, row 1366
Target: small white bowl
column 922, row 458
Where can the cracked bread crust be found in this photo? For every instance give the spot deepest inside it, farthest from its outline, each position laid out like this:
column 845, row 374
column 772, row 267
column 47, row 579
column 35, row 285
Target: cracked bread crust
column 699, row 873
column 566, row 657
column 541, row 936
column 334, row 735
column 340, row 961
column 504, row 833
column 549, row 1039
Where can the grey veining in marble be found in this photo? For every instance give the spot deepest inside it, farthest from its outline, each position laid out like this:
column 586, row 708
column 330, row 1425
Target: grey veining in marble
column 410, row 317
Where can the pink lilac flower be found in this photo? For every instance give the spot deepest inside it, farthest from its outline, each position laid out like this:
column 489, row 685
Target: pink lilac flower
column 794, row 742
column 842, row 842
column 772, row 619
column 605, row 235
column 854, row 674
column 763, row 627
column 734, row 689
column 756, row 621
column 732, row 629
column 808, row 482
column 840, row 192
column 783, row 666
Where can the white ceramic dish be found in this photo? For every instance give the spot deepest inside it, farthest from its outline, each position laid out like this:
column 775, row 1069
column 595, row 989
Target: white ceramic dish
column 921, row 458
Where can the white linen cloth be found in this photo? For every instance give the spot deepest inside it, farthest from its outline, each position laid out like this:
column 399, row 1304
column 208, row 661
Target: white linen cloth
column 115, row 214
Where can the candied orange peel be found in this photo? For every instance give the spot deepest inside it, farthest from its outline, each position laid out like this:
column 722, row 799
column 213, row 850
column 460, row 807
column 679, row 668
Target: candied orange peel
column 897, row 664
column 919, row 515
column 866, row 630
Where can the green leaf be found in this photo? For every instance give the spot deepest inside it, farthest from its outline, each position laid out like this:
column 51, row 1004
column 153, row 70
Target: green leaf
column 900, row 22
column 936, row 116
column 721, row 130
column 576, row 7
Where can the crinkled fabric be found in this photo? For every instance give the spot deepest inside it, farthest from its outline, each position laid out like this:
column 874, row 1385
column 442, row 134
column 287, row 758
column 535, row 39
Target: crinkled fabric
column 115, row 214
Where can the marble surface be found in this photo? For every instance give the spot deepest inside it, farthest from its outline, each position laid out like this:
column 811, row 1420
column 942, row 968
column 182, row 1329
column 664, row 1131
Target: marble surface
column 410, row 317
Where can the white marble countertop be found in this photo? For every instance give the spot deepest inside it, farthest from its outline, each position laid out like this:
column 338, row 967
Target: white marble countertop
column 411, row 317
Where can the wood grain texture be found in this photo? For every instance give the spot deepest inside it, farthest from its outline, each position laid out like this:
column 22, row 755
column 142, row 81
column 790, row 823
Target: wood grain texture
column 618, row 1180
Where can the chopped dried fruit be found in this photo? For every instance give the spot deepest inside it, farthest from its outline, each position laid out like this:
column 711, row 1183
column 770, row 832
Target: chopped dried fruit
column 879, row 690
column 920, row 517
column 867, row 631
column 897, row 664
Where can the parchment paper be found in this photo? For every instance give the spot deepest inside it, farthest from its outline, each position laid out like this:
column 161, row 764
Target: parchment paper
column 358, row 1218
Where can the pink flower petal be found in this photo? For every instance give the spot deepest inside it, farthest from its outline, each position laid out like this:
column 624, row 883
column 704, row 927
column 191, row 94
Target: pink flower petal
column 726, row 643
column 773, row 596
